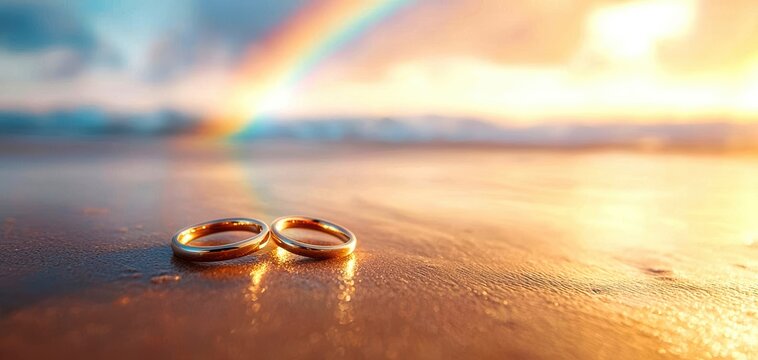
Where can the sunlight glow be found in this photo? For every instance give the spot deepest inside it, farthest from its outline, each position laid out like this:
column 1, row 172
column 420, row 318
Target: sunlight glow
column 282, row 255
column 255, row 288
column 647, row 61
column 347, row 291
column 630, row 31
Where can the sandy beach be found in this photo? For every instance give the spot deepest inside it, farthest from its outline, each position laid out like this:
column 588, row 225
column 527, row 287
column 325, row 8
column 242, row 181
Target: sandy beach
column 463, row 252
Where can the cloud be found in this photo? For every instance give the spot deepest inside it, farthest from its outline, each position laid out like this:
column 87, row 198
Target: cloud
column 49, row 38
column 34, row 26
column 240, row 23
column 508, row 61
column 182, row 37
column 156, row 42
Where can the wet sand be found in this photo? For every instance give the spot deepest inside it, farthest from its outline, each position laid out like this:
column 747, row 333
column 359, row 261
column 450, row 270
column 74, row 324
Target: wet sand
column 464, row 252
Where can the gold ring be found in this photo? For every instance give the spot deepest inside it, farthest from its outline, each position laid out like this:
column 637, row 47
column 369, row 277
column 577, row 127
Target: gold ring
column 220, row 252
column 314, row 251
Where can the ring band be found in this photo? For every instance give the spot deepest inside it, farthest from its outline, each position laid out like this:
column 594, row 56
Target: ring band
column 220, row 252
column 310, row 250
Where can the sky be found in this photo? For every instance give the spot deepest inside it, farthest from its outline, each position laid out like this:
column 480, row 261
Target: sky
column 507, row 62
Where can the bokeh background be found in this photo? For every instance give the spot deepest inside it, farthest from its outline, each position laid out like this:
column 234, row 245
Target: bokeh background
column 548, row 73
column 527, row 179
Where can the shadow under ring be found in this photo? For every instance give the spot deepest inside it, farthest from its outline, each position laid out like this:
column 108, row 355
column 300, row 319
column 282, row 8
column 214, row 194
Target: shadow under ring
column 311, row 250
column 181, row 248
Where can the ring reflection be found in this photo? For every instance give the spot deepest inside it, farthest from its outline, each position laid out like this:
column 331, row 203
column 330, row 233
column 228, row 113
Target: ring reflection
column 347, row 291
column 255, row 288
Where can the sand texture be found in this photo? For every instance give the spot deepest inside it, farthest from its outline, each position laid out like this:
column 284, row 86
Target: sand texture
column 463, row 252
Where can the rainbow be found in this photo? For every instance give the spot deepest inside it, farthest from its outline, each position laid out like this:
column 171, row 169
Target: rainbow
column 273, row 68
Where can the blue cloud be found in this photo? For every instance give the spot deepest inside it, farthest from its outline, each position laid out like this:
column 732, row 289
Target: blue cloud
column 225, row 24
column 239, row 23
column 34, row 26
column 158, row 41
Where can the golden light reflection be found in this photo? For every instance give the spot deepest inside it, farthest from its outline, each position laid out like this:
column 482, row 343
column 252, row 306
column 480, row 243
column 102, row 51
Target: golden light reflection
column 347, row 291
column 281, row 256
column 255, row 288
column 676, row 243
column 750, row 237
column 185, row 238
column 721, row 331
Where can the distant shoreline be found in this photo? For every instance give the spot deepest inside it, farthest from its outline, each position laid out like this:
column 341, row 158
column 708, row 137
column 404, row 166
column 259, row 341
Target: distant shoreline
column 62, row 145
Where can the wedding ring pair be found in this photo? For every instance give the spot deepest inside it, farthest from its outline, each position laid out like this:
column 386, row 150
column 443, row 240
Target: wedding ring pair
column 181, row 247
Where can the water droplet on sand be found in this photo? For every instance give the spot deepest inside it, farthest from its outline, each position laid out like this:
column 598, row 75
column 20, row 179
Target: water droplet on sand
column 160, row 279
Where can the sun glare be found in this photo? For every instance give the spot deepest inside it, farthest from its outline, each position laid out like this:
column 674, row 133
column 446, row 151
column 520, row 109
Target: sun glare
column 631, row 31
